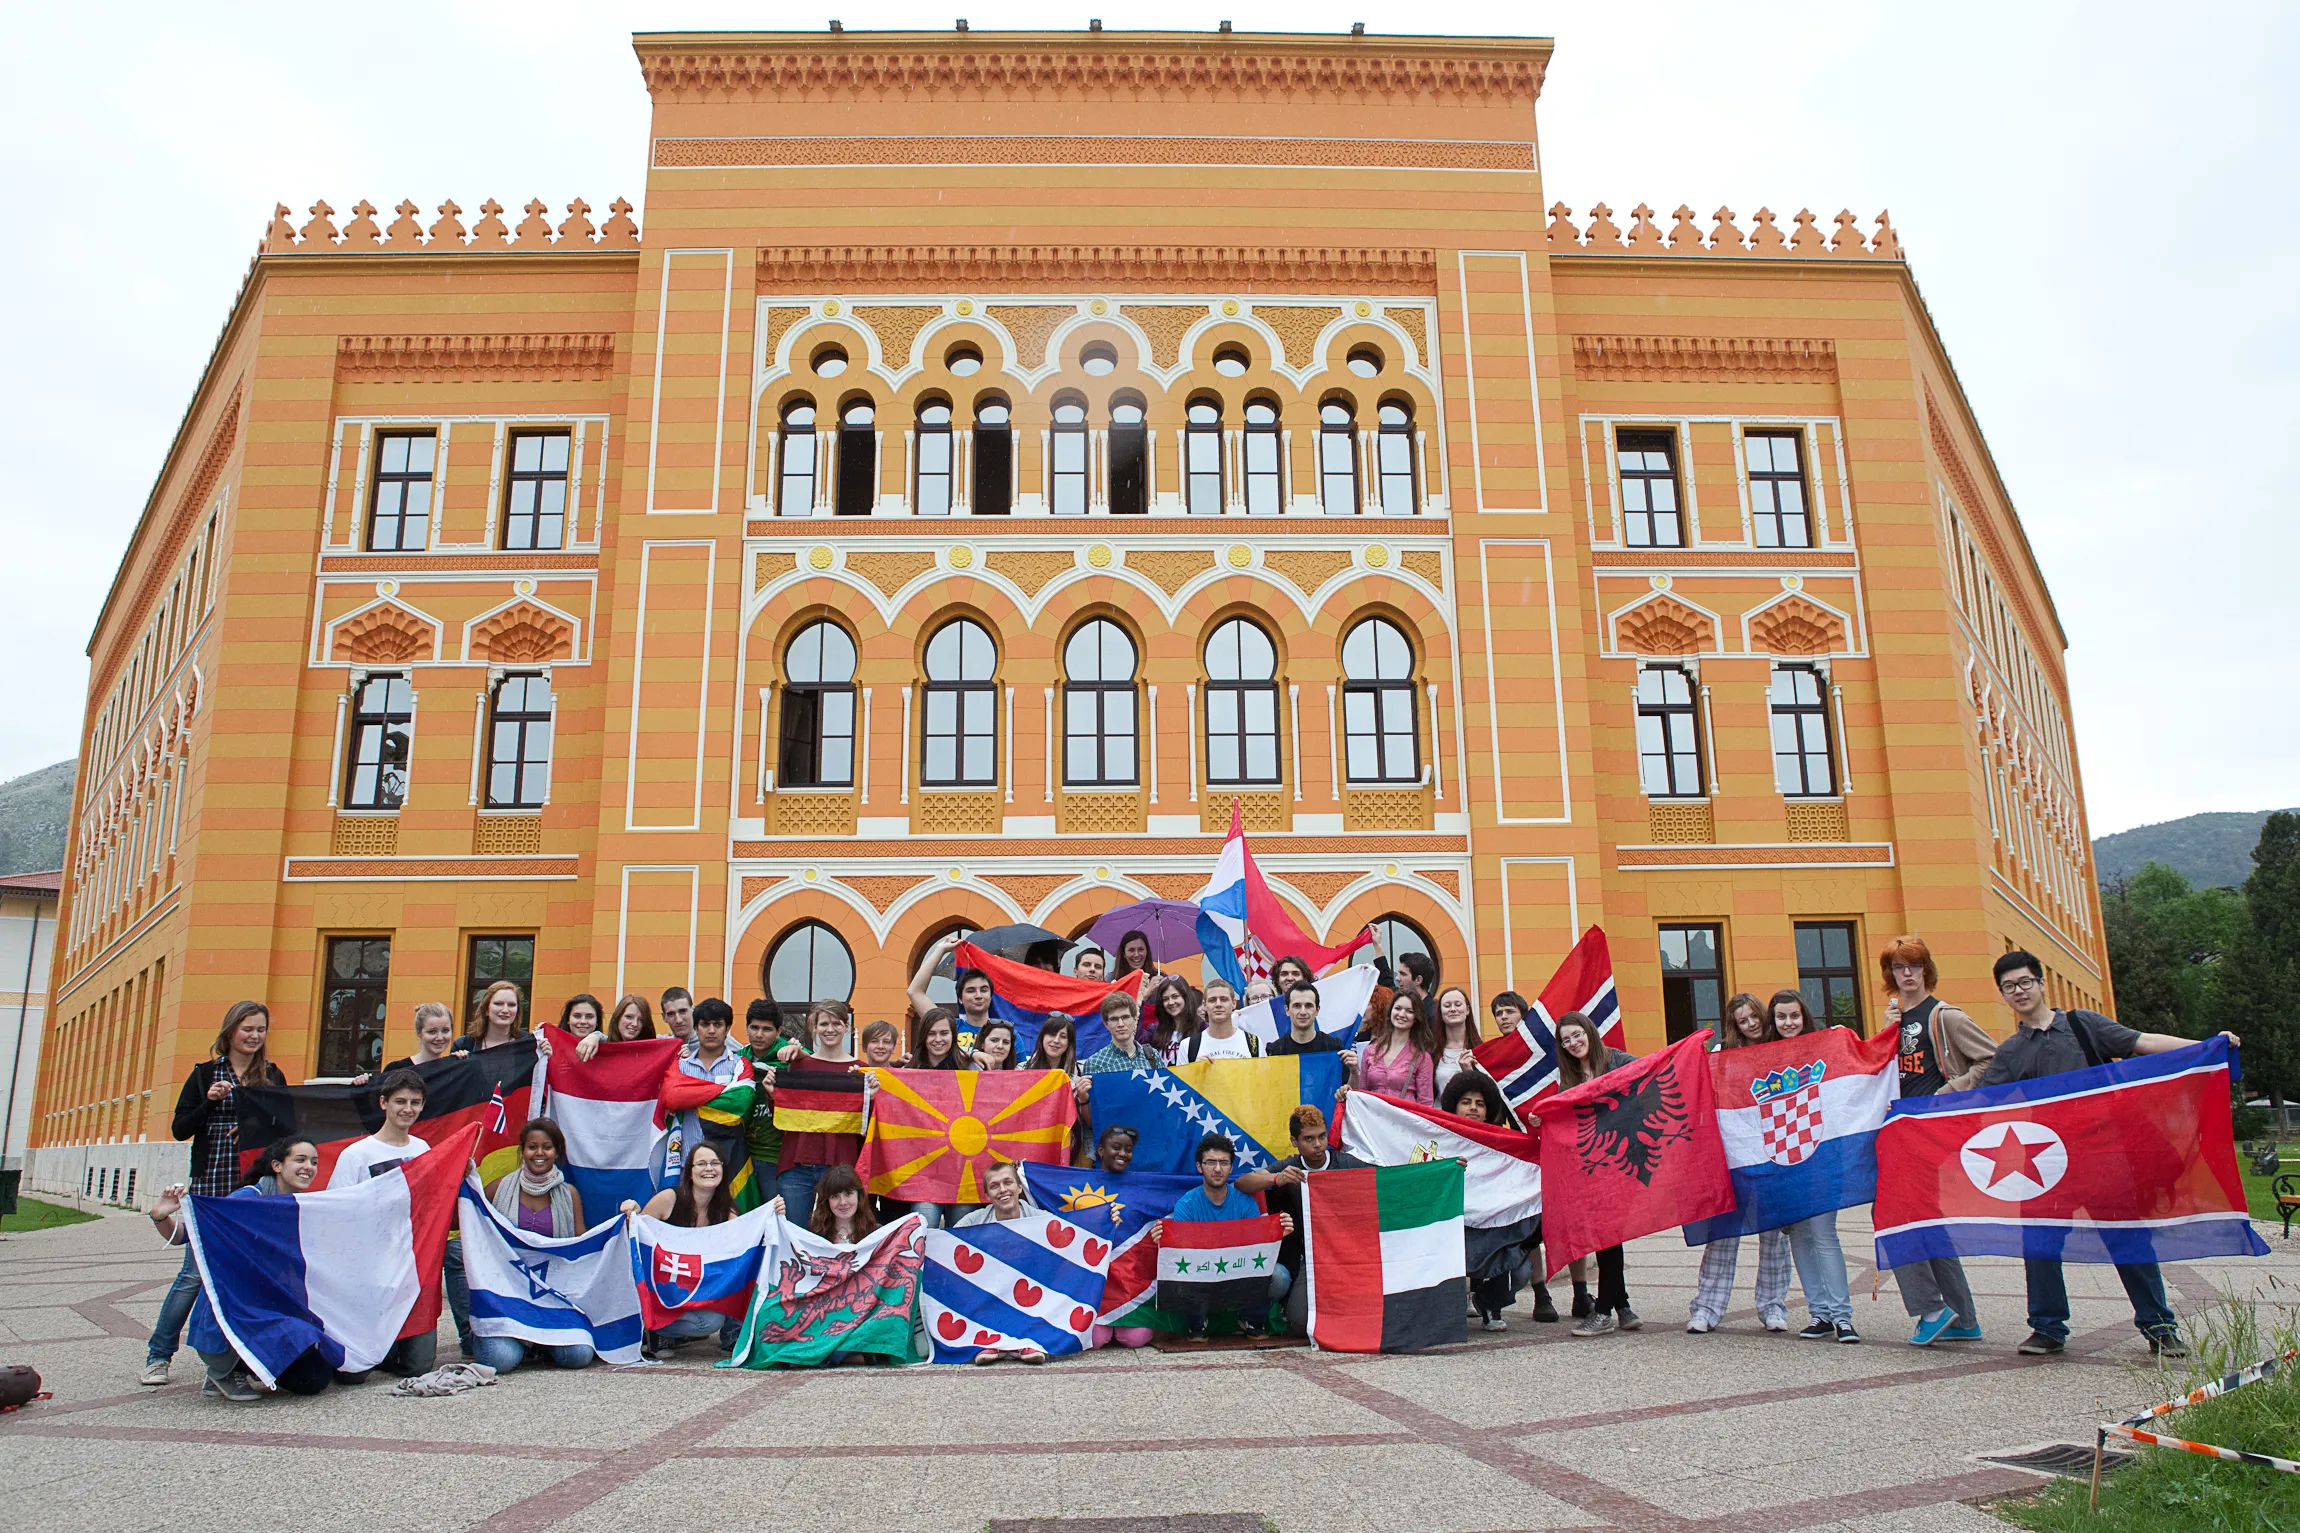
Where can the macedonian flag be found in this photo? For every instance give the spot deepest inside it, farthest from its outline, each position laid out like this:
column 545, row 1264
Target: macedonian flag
column 934, row 1132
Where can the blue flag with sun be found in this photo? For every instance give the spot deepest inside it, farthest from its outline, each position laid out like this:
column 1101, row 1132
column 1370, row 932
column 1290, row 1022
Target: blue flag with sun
column 1118, row 1208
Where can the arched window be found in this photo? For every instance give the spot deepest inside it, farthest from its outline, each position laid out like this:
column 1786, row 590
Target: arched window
column 1395, row 451
column 1098, row 707
column 936, row 452
column 1067, row 470
column 1337, row 458
column 818, row 729
column 1202, row 458
column 1265, row 490
column 858, row 459
column 1129, row 458
column 993, row 458
column 961, row 734
column 795, row 491
column 806, row 964
column 941, row 988
column 1399, row 936
column 1241, row 705
column 1380, row 734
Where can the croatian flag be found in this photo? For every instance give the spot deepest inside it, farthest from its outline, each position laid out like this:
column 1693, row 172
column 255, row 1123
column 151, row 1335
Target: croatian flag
column 1031, row 1284
column 610, row 1109
column 711, row 1267
column 2127, row 1162
column 1524, row 1063
column 1026, row 997
column 348, row 1271
column 1243, row 928
column 1799, row 1118
column 556, row 1293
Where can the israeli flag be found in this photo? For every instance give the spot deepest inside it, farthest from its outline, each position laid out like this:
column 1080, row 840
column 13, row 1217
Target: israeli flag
column 555, row 1293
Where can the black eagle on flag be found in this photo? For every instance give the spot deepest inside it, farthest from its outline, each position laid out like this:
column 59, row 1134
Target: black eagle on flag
column 1626, row 1130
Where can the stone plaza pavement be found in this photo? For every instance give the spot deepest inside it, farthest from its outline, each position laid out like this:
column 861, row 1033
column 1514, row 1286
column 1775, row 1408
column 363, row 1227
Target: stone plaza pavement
column 1658, row 1432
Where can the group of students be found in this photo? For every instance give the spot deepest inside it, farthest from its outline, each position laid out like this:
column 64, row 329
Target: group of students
column 1413, row 1042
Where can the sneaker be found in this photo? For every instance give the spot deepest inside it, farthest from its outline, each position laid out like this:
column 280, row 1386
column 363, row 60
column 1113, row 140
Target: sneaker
column 236, row 1387
column 1776, row 1321
column 1847, row 1335
column 1495, row 1323
column 2041, row 1345
column 1544, row 1312
column 1627, row 1319
column 1819, row 1330
column 2167, row 1344
column 1960, row 1333
column 1698, row 1326
column 985, row 1359
column 1929, row 1328
column 1580, row 1302
column 1034, row 1357
column 1602, row 1324
column 155, row 1371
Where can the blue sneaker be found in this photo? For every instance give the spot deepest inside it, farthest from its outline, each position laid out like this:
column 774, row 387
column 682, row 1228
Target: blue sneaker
column 1930, row 1327
column 1960, row 1333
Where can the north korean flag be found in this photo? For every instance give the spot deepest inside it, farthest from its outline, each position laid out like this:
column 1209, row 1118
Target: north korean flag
column 2133, row 1161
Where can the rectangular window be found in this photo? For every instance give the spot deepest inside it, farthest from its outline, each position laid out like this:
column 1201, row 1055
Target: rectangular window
column 498, row 958
column 351, row 1005
column 1827, row 975
column 1668, row 749
column 519, row 744
column 1098, row 736
column 1241, row 732
column 961, row 731
column 375, row 772
column 1129, row 466
column 1069, row 470
column 1202, row 462
column 1777, row 489
column 535, row 500
column 1264, row 490
column 936, row 450
column 1647, row 462
column 399, row 507
column 1692, row 979
column 993, row 463
column 1802, row 766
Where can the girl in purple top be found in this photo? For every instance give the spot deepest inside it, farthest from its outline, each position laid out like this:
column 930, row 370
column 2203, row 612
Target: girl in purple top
column 1399, row 1058
column 537, row 1198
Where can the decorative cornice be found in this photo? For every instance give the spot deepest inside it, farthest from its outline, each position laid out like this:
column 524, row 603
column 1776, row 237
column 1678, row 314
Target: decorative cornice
column 1802, row 854
column 1001, row 847
column 1647, row 560
column 1713, row 359
column 407, row 236
column 1066, row 149
column 585, row 357
column 1804, row 242
column 1119, row 532
column 1174, row 268
column 477, row 869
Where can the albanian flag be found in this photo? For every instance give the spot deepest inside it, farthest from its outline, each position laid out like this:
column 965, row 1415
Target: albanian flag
column 1634, row 1151
column 934, row 1133
column 488, row 1089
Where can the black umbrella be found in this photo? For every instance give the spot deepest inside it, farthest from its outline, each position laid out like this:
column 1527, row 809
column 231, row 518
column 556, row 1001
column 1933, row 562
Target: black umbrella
column 1013, row 941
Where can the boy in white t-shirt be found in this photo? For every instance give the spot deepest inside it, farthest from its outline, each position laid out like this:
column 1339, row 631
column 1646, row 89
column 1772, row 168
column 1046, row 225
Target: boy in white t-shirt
column 1220, row 1038
column 401, row 1097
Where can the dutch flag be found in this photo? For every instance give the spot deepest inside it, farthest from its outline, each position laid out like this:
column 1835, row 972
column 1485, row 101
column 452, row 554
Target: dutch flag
column 609, row 1108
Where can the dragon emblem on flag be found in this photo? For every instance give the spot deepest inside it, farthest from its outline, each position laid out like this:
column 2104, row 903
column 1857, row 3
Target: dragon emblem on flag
column 836, row 1290
column 1789, row 1107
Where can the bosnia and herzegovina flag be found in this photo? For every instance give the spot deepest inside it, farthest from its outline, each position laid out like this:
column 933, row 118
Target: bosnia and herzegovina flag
column 1026, row 997
column 1799, row 1118
column 1388, row 1264
column 1249, row 1100
column 489, row 1089
column 934, row 1134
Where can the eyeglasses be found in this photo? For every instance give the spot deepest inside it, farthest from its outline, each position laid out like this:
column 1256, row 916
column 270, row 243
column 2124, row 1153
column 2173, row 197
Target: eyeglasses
column 2017, row 986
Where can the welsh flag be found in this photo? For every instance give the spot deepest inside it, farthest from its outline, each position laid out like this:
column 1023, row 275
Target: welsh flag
column 1387, row 1257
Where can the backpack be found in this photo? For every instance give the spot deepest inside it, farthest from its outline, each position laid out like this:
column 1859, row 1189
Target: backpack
column 1253, row 1046
column 2080, row 1023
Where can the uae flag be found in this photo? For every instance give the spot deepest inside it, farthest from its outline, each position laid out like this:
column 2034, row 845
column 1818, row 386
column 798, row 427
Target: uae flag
column 1387, row 1257
column 488, row 1090
column 1222, row 1266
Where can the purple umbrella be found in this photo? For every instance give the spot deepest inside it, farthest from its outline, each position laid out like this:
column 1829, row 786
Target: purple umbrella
column 1171, row 926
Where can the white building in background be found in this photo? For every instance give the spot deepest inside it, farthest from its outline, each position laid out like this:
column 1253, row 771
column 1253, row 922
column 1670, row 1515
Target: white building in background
column 27, row 937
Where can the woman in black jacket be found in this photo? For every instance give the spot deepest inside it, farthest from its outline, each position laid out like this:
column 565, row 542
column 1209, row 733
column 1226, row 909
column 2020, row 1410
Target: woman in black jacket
column 211, row 1113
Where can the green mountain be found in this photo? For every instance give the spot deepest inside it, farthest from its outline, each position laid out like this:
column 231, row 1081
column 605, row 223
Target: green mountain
column 2209, row 850
column 34, row 810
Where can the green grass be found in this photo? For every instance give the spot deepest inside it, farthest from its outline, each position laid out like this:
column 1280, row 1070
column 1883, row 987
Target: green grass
column 2260, row 1192
column 33, row 1214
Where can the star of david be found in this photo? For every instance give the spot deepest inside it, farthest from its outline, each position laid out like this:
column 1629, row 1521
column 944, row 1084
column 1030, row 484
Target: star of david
column 538, row 1274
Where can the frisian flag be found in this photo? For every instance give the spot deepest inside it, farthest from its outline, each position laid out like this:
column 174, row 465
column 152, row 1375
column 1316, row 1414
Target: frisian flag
column 2129, row 1162
column 610, row 1108
column 1011, row 1287
column 1208, row 1267
column 1388, row 1264
column 1799, row 1118
column 1523, row 1063
column 1026, row 997
column 488, row 1090
column 1122, row 1208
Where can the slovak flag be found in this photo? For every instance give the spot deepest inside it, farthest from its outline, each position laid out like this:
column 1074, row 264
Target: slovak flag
column 1243, row 928
column 1524, row 1063
column 1800, row 1119
column 609, row 1107
column 713, row 1267
column 2130, row 1162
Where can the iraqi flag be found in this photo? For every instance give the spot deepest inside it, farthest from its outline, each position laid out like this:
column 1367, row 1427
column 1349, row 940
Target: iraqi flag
column 1634, row 1151
column 1799, row 1118
column 1388, row 1267
column 1249, row 1100
column 1242, row 927
column 348, row 1271
column 2127, row 1162
column 1342, row 1000
column 1026, row 997
column 1012, row 1286
column 1502, row 1166
column 1220, row 1266
column 1524, row 1062
column 610, row 1109
column 1121, row 1209
column 714, row 1267
column 489, row 1090
column 555, row 1293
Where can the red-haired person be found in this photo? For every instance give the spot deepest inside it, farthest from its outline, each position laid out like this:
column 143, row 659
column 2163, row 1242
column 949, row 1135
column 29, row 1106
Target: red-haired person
column 1942, row 1049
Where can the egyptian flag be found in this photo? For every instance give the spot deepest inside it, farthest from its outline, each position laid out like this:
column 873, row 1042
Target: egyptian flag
column 812, row 1098
column 489, row 1089
column 1388, row 1260
column 1026, row 997
column 1221, row 1266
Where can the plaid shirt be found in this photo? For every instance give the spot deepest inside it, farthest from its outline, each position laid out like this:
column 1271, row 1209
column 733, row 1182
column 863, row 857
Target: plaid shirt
column 1108, row 1058
column 217, row 1173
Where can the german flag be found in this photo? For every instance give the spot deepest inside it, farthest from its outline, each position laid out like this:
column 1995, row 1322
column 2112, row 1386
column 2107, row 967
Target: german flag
column 816, row 1098
column 488, row 1089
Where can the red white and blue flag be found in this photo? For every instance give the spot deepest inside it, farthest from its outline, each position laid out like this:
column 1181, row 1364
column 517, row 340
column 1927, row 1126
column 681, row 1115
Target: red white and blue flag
column 1242, row 927
column 1026, row 997
column 1800, row 1118
column 2129, row 1162
column 610, row 1108
column 713, row 1267
column 1524, row 1063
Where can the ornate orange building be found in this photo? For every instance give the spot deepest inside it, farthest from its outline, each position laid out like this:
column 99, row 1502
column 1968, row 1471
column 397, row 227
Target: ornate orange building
column 999, row 454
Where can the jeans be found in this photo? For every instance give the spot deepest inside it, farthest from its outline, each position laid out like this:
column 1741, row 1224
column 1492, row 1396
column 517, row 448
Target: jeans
column 458, row 1291
column 796, row 1187
column 504, row 1353
column 1821, row 1268
column 307, row 1375
column 2048, row 1298
column 1612, row 1282
column 1935, row 1283
column 703, row 1322
column 409, row 1356
column 175, row 1311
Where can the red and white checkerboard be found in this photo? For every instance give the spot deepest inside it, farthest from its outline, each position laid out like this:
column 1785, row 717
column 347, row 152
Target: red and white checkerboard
column 1792, row 1124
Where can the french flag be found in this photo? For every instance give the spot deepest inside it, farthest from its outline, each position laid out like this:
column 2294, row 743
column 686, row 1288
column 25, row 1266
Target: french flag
column 1524, row 1063
column 712, row 1267
column 610, row 1109
column 1242, row 927
column 1026, row 997
column 348, row 1271
column 1799, row 1119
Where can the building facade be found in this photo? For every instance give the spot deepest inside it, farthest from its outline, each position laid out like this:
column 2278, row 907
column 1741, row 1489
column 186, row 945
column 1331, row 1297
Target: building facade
column 27, row 944
column 999, row 456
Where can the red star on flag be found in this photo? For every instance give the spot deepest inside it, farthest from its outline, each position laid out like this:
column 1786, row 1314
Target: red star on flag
column 2013, row 1156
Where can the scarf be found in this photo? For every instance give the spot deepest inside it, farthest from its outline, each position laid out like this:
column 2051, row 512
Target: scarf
column 505, row 1198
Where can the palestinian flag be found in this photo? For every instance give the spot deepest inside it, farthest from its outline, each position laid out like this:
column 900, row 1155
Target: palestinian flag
column 1221, row 1266
column 489, row 1089
column 812, row 1098
column 1386, row 1256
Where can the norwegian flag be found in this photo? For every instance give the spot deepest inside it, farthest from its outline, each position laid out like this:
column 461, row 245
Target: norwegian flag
column 500, row 1123
column 1524, row 1063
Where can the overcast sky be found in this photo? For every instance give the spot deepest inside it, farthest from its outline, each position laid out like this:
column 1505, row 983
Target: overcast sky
column 2097, row 200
